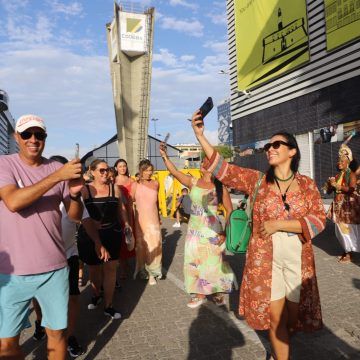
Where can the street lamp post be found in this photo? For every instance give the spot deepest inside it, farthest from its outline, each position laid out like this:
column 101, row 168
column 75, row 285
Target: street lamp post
column 154, row 120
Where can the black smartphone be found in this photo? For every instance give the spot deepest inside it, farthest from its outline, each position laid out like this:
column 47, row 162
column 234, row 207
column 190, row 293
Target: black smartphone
column 166, row 139
column 206, row 107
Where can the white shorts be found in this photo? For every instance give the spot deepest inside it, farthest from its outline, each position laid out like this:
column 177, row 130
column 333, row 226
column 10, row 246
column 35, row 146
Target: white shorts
column 286, row 267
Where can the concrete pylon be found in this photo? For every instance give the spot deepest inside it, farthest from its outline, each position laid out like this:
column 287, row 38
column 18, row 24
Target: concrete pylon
column 130, row 43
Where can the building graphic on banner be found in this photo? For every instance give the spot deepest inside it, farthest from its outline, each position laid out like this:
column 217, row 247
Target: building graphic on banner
column 276, row 43
column 342, row 22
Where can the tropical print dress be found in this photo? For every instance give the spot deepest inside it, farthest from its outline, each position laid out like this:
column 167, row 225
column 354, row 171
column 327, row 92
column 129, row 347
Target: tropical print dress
column 205, row 270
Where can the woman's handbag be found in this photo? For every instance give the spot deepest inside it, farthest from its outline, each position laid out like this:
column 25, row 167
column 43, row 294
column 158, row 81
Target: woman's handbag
column 239, row 226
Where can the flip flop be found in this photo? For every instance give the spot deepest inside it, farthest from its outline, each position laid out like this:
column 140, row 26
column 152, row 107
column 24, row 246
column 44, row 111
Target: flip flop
column 344, row 259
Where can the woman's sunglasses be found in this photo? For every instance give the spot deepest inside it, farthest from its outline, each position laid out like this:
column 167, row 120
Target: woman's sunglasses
column 103, row 171
column 39, row 135
column 275, row 145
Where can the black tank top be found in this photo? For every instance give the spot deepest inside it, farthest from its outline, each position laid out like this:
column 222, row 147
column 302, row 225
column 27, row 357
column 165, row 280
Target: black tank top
column 103, row 209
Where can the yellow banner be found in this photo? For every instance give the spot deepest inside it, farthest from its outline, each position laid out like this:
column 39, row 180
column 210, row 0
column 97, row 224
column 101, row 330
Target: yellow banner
column 342, row 22
column 271, row 38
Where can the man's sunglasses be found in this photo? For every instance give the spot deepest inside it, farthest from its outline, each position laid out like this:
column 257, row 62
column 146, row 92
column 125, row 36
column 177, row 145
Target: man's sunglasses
column 275, row 145
column 39, row 135
column 103, row 171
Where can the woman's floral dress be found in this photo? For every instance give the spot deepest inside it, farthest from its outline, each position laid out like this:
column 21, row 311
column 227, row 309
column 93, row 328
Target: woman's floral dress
column 205, row 270
column 307, row 207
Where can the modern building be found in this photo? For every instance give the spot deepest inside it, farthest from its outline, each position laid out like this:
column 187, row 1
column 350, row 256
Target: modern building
column 295, row 69
column 130, row 43
column 109, row 151
column 225, row 126
column 7, row 126
column 191, row 154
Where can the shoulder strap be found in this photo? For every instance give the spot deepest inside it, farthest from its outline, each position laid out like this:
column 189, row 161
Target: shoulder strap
column 88, row 189
column 255, row 193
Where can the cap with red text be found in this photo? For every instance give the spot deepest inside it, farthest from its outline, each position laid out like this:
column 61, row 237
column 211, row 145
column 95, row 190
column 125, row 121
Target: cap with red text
column 27, row 121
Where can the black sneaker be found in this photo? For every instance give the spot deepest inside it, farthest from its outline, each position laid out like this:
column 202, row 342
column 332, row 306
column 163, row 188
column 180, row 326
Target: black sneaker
column 39, row 333
column 74, row 348
column 110, row 311
column 95, row 301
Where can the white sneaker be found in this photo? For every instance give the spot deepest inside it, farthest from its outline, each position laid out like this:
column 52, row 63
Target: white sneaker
column 176, row 225
column 152, row 280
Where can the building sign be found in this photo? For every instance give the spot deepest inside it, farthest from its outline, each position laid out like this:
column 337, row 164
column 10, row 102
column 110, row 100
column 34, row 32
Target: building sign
column 271, row 38
column 132, row 33
column 342, row 22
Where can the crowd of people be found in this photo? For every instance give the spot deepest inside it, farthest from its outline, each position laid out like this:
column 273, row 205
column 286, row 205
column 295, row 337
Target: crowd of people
column 52, row 220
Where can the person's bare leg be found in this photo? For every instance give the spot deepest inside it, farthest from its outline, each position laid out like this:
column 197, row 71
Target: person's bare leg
column 178, row 216
column 96, row 278
column 72, row 314
column 10, row 348
column 109, row 281
column 56, row 345
column 279, row 333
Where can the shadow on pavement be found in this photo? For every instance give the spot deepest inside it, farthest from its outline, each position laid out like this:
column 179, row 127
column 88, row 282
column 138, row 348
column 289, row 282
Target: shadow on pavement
column 93, row 325
column 212, row 337
column 170, row 244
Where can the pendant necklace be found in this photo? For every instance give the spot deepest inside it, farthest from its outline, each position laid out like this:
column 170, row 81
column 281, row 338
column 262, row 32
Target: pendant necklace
column 283, row 196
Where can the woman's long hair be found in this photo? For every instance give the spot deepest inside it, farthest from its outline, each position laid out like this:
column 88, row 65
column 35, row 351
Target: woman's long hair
column 143, row 165
column 219, row 191
column 94, row 164
column 295, row 161
column 116, row 164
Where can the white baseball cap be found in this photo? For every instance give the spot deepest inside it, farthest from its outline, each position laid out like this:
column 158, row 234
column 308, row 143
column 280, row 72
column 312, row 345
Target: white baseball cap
column 27, row 121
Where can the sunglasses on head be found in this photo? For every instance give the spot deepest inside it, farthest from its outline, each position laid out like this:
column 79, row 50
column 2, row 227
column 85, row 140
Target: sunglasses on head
column 103, row 170
column 39, row 135
column 275, row 145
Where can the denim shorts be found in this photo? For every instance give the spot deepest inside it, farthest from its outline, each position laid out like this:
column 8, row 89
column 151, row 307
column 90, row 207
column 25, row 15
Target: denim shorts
column 51, row 289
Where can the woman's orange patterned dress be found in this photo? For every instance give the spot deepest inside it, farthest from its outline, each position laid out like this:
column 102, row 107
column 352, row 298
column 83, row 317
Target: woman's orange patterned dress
column 307, row 207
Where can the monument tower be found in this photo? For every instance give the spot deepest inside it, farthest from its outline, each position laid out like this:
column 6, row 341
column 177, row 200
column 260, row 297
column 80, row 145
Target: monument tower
column 130, row 43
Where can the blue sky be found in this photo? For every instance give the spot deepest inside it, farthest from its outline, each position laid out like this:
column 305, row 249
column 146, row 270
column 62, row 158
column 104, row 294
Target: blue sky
column 54, row 63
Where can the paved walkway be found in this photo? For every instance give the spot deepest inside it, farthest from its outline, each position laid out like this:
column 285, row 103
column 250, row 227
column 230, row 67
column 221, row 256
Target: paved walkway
column 157, row 324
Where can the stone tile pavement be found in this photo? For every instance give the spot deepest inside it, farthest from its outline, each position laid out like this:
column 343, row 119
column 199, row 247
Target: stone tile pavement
column 157, row 324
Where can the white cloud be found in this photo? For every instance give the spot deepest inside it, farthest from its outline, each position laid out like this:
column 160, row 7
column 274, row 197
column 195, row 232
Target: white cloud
column 73, row 9
column 183, row 3
column 186, row 58
column 13, row 5
column 24, row 31
column 191, row 27
column 166, row 58
column 212, row 136
column 217, row 46
column 218, row 19
column 72, row 93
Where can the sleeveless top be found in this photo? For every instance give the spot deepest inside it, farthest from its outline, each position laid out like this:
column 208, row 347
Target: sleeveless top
column 103, row 209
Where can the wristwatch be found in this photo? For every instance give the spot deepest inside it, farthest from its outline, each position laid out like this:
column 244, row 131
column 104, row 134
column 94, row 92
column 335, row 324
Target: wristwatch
column 76, row 197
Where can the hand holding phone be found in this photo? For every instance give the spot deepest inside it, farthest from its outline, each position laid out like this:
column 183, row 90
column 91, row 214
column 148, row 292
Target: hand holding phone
column 77, row 151
column 206, row 107
column 166, row 139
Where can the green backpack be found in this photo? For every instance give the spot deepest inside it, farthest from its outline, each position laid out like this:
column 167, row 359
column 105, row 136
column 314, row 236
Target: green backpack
column 239, row 226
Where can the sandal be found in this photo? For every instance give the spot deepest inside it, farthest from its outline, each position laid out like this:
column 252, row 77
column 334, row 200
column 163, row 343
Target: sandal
column 196, row 301
column 344, row 259
column 219, row 300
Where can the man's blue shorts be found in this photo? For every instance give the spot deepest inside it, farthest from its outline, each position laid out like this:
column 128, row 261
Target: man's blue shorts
column 51, row 289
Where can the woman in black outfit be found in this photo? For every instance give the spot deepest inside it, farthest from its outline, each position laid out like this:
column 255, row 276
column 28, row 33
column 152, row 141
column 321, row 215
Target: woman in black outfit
column 105, row 207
